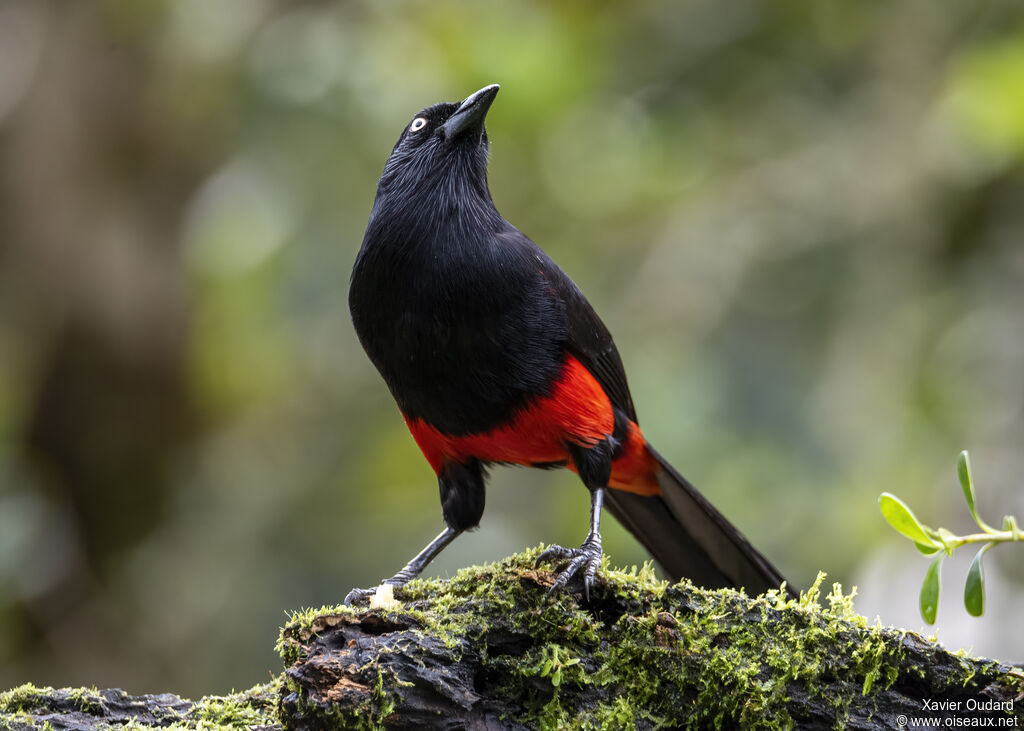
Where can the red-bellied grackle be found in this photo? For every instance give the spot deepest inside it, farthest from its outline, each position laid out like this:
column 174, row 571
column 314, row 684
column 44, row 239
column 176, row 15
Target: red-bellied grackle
column 495, row 356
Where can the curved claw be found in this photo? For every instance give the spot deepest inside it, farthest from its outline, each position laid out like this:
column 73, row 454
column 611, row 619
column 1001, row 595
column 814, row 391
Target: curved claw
column 358, row 595
column 554, row 553
column 587, row 557
column 411, row 569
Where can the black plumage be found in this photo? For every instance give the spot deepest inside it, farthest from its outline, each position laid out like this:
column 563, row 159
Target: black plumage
column 471, row 324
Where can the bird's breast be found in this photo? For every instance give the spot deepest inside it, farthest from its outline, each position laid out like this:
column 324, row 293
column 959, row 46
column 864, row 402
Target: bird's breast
column 463, row 337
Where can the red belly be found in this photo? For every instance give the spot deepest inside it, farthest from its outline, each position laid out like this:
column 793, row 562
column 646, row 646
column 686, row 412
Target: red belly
column 576, row 411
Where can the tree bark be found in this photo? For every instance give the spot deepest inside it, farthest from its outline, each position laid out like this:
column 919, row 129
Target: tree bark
column 489, row 649
column 28, row 708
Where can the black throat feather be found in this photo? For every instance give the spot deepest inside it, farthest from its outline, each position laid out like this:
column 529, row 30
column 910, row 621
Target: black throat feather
column 463, row 328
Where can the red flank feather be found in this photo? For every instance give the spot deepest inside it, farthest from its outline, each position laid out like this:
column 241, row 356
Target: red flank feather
column 577, row 410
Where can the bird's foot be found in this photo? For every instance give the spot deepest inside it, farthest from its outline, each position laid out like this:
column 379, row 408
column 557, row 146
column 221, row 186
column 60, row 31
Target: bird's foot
column 586, row 557
column 411, row 569
column 360, row 595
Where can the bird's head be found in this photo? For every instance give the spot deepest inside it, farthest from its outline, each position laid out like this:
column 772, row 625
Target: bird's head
column 442, row 151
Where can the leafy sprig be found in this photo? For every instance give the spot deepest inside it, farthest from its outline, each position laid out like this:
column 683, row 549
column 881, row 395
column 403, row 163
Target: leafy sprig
column 940, row 542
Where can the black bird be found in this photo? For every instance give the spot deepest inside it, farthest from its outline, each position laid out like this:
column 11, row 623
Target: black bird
column 495, row 356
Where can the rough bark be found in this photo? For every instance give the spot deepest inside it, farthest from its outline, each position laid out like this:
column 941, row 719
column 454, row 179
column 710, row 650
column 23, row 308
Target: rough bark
column 489, row 650
column 28, row 708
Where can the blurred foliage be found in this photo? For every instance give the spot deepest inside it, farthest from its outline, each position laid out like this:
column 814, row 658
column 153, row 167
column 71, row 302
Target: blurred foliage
column 802, row 221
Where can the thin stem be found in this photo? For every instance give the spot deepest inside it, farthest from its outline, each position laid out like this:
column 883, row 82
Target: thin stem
column 996, row 536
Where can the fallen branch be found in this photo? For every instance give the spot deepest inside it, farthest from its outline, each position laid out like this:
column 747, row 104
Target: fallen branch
column 488, row 649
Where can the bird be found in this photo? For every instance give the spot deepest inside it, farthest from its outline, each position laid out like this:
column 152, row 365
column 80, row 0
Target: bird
column 494, row 356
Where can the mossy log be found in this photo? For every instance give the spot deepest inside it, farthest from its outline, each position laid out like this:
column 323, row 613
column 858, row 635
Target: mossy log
column 489, row 649
column 28, row 708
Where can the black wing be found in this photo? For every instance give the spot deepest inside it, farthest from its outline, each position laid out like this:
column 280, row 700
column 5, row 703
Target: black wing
column 587, row 338
column 680, row 528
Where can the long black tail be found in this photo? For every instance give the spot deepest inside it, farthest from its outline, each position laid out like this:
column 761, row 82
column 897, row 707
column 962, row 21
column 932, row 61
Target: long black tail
column 688, row 537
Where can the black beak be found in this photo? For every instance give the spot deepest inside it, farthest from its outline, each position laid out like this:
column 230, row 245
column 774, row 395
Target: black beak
column 470, row 114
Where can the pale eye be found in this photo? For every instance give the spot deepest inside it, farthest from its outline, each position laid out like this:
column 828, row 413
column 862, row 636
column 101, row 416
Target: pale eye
column 418, row 124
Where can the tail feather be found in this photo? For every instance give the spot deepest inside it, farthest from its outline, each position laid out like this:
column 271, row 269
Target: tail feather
column 689, row 538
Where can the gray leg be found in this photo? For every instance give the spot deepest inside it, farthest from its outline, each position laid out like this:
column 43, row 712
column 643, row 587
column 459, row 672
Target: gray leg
column 412, row 569
column 587, row 555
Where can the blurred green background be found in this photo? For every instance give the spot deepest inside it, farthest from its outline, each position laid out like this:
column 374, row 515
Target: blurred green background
column 803, row 221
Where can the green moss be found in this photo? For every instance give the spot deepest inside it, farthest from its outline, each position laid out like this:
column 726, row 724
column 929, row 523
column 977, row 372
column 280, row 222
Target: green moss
column 21, row 699
column 237, row 711
column 87, row 700
column 680, row 655
column 27, row 698
column 303, row 623
column 641, row 654
column 256, row 706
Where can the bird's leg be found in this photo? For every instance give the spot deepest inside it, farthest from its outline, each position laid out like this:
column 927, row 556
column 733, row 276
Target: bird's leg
column 587, row 556
column 411, row 569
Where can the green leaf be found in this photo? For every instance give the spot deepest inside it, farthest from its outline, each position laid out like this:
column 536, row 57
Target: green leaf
column 974, row 589
column 926, row 550
column 900, row 517
column 930, row 590
column 963, row 472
